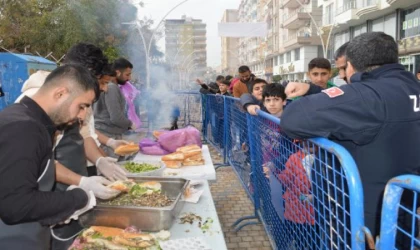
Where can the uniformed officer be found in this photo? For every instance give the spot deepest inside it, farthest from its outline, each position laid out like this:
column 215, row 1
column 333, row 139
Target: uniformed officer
column 28, row 206
column 376, row 117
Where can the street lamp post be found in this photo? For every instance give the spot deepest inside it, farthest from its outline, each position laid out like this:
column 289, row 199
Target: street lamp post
column 324, row 46
column 153, row 34
column 148, row 46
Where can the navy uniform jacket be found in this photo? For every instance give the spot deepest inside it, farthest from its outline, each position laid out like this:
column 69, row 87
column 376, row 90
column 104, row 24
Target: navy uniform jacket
column 377, row 120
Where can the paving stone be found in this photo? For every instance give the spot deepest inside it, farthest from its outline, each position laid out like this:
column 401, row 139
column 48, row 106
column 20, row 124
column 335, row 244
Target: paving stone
column 233, row 203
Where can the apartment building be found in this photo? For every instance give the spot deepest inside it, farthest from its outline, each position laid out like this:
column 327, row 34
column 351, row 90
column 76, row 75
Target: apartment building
column 230, row 46
column 185, row 46
column 292, row 39
column 399, row 18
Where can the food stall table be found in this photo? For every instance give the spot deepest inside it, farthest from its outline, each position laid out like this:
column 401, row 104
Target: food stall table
column 206, row 210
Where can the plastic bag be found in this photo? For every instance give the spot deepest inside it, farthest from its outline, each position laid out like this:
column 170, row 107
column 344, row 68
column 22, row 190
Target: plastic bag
column 154, row 150
column 130, row 93
column 151, row 147
column 172, row 140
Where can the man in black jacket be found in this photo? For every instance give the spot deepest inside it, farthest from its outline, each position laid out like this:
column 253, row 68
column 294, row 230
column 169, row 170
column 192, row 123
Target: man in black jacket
column 375, row 117
column 28, row 206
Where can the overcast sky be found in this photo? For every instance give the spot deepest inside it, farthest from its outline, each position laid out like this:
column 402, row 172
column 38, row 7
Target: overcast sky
column 210, row 11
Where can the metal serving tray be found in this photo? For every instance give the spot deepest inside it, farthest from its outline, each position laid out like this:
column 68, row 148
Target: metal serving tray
column 144, row 218
column 156, row 173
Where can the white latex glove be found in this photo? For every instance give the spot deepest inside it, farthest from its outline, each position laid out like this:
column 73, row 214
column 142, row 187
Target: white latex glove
column 252, row 109
column 295, row 89
column 96, row 184
column 108, row 167
column 116, row 143
column 89, row 205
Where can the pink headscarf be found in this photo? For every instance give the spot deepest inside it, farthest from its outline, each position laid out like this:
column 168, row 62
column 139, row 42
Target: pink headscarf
column 130, row 93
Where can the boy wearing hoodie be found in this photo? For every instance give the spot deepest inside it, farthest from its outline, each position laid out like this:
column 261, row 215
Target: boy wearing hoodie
column 253, row 98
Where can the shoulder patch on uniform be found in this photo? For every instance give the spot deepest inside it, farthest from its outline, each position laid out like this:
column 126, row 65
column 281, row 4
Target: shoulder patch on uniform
column 333, row 92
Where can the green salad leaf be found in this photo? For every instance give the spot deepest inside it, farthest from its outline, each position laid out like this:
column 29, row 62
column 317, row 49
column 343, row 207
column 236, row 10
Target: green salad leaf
column 134, row 167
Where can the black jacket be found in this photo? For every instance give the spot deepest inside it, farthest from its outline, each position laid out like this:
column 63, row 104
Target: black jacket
column 377, row 120
column 26, row 144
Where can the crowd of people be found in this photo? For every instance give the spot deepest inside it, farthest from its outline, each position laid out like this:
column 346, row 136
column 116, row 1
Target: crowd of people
column 58, row 140
column 375, row 116
column 57, row 148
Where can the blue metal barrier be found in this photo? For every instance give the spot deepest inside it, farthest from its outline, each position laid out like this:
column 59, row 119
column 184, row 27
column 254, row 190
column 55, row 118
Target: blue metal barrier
column 215, row 123
column 190, row 106
column 399, row 221
column 237, row 145
column 237, row 151
column 308, row 194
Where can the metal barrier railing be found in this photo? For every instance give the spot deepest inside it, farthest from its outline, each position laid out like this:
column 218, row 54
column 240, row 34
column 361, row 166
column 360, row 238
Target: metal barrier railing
column 400, row 218
column 214, row 122
column 307, row 194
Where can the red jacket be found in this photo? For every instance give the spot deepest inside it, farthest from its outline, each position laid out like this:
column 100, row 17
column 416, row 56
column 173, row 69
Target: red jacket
column 296, row 180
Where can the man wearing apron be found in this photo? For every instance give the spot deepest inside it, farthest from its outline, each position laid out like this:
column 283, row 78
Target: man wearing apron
column 27, row 174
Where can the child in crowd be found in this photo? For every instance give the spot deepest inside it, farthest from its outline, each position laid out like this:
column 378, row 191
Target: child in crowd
column 254, row 97
column 296, row 177
column 212, row 88
column 319, row 72
column 223, row 88
column 274, row 99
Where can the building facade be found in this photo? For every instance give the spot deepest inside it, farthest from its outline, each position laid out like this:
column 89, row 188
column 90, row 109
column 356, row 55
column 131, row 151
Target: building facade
column 347, row 19
column 185, row 47
column 300, row 30
column 292, row 39
column 230, row 55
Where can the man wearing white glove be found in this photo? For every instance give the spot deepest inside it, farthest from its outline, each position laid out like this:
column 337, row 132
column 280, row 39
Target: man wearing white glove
column 109, row 110
column 97, row 184
column 109, row 168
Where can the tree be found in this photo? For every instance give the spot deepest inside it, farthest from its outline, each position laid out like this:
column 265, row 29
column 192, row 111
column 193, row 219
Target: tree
column 55, row 25
column 46, row 26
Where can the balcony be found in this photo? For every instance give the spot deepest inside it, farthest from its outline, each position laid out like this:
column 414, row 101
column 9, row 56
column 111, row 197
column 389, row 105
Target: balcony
column 367, row 6
column 300, row 39
column 296, row 19
column 291, row 4
column 351, row 5
column 347, row 12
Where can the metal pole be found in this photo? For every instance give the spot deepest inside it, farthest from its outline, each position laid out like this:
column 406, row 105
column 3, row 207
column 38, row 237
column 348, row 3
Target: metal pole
column 154, row 32
column 179, row 49
column 324, row 47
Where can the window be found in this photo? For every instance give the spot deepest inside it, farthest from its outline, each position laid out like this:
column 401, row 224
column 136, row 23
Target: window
column 329, row 14
column 359, row 30
column 297, row 54
column 288, row 57
column 410, row 22
column 341, row 38
column 378, row 24
column 281, row 60
column 386, row 24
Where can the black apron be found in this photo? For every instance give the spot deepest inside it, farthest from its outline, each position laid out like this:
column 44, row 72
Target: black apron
column 30, row 235
column 70, row 152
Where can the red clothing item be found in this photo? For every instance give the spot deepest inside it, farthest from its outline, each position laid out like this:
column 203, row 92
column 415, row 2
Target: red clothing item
column 296, row 180
column 232, row 83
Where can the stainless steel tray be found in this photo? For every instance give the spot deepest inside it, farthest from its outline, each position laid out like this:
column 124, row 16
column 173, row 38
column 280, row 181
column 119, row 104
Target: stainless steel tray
column 144, row 218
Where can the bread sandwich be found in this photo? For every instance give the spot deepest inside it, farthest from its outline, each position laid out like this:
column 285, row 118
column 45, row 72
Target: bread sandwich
column 116, row 239
column 127, row 149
